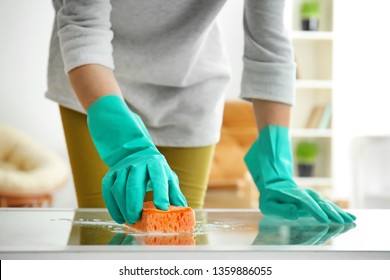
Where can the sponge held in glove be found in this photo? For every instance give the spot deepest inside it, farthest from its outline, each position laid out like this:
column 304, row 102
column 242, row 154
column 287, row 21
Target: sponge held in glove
column 175, row 219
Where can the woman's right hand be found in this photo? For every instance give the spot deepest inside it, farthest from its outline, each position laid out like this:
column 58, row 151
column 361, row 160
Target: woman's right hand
column 136, row 166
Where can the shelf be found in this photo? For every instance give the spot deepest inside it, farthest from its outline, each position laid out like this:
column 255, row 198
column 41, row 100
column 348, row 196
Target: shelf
column 305, row 132
column 312, row 35
column 313, row 84
column 313, row 54
column 313, row 181
column 383, row 195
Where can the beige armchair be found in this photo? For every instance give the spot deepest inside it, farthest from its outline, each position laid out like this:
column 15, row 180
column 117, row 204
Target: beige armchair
column 29, row 173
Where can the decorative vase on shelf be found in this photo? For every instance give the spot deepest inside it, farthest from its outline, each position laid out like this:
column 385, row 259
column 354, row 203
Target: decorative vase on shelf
column 310, row 14
column 306, row 155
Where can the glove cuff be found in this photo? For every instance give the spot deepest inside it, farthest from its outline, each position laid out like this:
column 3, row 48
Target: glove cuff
column 270, row 159
column 115, row 130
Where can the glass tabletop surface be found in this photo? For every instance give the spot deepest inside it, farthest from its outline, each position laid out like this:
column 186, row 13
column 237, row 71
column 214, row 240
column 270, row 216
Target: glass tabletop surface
column 216, row 229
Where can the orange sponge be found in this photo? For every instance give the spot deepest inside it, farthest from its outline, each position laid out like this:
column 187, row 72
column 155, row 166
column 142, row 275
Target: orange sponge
column 176, row 239
column 175, row 219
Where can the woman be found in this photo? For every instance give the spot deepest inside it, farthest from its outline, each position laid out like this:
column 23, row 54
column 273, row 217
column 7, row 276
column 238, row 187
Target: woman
column 159, row 112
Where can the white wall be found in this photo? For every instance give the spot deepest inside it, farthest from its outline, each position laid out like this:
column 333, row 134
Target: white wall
column 361, row 81
column 25, row 28
column 25, row 32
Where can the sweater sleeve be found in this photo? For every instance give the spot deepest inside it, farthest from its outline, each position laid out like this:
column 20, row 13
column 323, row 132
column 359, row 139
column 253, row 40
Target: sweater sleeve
column 85, row 34
column 269, row 68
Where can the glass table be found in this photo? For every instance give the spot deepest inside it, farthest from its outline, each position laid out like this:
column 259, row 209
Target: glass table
column 48, row 233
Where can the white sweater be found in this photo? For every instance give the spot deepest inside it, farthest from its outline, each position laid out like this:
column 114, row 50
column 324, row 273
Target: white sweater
column 169, row 60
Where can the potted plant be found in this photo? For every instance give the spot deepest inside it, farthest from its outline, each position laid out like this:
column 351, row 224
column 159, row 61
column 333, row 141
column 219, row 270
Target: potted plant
column 310, row 13
column 306, row 155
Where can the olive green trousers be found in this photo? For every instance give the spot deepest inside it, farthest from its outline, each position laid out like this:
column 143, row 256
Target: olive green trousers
column 192, row 165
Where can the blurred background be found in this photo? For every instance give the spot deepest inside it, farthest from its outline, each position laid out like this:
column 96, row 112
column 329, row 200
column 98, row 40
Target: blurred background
column 340, row 126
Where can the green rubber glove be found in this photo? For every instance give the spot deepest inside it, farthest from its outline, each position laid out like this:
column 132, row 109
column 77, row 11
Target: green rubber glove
column 270, row 163
column 303, row 231
column 136, row 166
column 123, row 239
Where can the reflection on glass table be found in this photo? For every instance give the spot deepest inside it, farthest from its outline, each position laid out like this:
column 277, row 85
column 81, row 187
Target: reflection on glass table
column 27, row 233
column 99, row 229
column 303, row 231
column 246, row 228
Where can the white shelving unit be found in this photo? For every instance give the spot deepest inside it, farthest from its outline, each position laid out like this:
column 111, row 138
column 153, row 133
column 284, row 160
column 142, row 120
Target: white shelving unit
column 311, row 133
column 318, row 35
column 314, row 84
column 314, row 87
column 318, row 181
